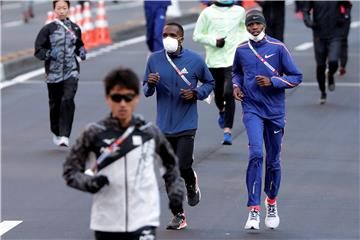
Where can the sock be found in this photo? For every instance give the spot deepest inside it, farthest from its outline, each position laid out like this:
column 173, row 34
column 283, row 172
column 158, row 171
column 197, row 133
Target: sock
column 271, row 201
column 256, row 208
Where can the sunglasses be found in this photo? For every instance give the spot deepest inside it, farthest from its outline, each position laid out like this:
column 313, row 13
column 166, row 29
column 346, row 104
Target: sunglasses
column 119, row 97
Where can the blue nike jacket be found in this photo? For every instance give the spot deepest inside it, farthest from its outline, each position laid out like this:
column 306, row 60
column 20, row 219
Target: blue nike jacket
column 174, row 114
column 266, row 102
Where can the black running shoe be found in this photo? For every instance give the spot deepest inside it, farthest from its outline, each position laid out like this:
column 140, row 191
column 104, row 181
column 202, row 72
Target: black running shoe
column 177, row 222
column 193, row 193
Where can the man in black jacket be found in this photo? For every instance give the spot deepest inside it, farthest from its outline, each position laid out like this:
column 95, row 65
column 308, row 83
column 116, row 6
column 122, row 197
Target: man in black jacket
column 327, row 23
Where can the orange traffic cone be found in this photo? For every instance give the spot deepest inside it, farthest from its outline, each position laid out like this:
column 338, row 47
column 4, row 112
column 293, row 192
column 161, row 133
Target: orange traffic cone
column 101, row 25
column 72, row 14
column 89, row 32
column 50, row 17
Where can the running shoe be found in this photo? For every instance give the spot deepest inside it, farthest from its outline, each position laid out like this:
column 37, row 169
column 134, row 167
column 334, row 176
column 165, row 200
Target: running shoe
column 177, row 222
column 253, row 221
column 272, row 219
column 227, row 139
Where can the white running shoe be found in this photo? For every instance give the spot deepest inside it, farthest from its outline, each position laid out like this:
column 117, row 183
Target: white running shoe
column 272, row 219
column 64, row 142
column 56, row 140
column 253, row 221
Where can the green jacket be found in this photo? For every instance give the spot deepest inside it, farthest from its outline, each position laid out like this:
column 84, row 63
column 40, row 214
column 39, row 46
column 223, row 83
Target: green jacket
column 216, row 22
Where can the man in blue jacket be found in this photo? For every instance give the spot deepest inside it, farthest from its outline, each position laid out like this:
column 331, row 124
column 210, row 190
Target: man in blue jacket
column 174, row 74
column 262, row 70
column 155, row 15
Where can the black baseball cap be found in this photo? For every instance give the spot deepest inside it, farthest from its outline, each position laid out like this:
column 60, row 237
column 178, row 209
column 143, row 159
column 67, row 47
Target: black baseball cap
column 255, row 16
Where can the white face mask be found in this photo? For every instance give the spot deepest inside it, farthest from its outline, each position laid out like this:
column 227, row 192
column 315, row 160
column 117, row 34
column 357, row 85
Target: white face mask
column 170, row 44
column 258, row 37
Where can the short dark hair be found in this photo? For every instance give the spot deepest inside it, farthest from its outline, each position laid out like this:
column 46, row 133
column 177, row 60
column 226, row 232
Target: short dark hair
column 55, row 1
column 178, row 25
column 122, row 77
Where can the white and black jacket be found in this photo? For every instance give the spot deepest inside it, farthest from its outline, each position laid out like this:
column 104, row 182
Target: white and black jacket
column 131, row 200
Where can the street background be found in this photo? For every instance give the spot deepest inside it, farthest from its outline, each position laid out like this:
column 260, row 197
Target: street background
column 319, row 195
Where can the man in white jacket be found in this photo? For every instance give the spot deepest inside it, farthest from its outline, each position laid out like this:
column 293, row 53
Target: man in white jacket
column 126, row 203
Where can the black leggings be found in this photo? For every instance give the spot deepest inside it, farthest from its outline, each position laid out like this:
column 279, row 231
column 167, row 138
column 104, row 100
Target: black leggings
column 224, row 93
column 62, row 106
column 184, row 148
column 142, row 233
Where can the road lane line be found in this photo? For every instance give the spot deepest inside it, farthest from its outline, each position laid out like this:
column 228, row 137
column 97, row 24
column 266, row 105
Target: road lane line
column 13, row 24
column 340, row 84
column 355, row 24
column 5, row 226
column 110, row 48
column 304, row 46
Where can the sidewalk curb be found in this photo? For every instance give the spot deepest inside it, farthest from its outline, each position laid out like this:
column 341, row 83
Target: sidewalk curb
column 11, row 69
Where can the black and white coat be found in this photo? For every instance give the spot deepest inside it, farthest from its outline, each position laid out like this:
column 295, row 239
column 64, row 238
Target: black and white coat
column 131, row 200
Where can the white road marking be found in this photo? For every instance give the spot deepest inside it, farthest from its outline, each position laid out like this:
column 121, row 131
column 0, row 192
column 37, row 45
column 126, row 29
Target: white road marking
column 338, row 84
column 355, row 24
column 110, row 48
column 304, row 46
column 5, row 226
column 13, row 24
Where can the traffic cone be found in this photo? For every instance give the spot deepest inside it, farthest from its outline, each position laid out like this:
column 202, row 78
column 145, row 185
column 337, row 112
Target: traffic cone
column 89, row 31
column 72, row 14
column 50, row 17
column 102, row 31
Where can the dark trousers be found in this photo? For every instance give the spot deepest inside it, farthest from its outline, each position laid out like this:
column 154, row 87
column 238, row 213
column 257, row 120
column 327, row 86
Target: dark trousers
column 62, row 106
column 141, row 234
column 326, row 50
column 184, row 148
column 155, row 21
column 224, row 98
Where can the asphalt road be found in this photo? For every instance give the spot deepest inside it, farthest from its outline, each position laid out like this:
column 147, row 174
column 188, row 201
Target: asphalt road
column 319, row 195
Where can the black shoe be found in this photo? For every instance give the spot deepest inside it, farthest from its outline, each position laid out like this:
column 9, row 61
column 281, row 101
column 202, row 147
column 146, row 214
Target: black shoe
column 323, row 98
column 177, row 222
column 193, row 193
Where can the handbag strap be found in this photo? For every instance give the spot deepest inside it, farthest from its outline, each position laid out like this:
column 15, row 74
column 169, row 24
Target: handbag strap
column 178, row 71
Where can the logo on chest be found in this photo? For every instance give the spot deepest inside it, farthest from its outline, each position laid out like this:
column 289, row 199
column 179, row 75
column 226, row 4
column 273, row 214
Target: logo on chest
column 184, row 71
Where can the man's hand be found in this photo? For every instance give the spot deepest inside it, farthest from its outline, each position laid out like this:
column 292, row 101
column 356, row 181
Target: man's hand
column 188, row 94
column 263, row 81
column 96, row 183
column 220, row 42
column 153, row 79
column 238, row 94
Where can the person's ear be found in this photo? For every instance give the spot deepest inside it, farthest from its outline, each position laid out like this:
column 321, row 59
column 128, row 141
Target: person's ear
column 181, row 40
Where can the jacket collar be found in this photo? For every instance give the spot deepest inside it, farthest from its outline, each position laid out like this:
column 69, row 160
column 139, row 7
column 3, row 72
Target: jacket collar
column 260, row 43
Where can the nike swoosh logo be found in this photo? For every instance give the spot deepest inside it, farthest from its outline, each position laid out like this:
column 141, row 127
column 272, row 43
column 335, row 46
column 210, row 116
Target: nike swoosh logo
column 276, row 132
column 267, row 56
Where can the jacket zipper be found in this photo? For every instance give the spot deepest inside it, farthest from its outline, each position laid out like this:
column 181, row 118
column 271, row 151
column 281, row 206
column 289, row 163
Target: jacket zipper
column 126, row 197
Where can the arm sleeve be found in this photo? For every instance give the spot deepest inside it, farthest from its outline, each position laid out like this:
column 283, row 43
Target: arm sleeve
column 173, row 182
column 207, row 81
column 79, row 42
column 148, row 89
column 42, row 44
column 237, row 74
column 74, row 166
column 201, row 33
column 291, row 74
